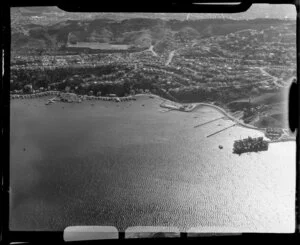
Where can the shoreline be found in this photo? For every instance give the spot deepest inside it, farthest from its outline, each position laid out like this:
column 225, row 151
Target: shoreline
column 79, row 97
column 183, row 107
column 194, row 106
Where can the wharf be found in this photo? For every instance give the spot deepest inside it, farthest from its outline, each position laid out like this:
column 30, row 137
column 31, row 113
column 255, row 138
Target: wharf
column 199, row 125
column 221, row 130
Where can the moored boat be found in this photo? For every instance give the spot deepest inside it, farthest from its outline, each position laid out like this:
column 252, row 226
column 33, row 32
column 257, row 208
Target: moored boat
column 250, row 145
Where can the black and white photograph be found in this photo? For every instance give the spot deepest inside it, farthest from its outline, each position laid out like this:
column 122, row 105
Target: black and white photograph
column 152, row 124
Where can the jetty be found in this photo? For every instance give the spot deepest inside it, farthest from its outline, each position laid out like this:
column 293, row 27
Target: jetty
column 221, row 130
column 166, row 110
column 199, row 125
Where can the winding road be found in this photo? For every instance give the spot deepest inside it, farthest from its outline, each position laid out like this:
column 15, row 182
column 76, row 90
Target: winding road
column 153, row 52
column 275, row 79
column 170, row 57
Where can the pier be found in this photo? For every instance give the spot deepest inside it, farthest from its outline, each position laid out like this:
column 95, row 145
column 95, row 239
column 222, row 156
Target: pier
column 166, row 110
column 221, row 130
column 199, row 125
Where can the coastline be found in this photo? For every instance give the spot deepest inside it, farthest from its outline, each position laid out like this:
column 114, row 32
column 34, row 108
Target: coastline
column 190, row 107
column 168, row 104
column 58, row 93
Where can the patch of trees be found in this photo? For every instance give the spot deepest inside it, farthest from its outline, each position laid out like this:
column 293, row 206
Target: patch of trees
column 104, row 89
column 249, row 112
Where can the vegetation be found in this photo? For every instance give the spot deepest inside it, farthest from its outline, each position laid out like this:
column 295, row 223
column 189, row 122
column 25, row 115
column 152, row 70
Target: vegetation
column 226, row 62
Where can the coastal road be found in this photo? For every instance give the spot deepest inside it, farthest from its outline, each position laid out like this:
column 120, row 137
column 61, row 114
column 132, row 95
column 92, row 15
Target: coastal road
column 225, row 113
column 221, row 110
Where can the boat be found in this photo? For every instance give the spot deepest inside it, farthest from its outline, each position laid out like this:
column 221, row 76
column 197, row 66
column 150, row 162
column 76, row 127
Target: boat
column 250, row 145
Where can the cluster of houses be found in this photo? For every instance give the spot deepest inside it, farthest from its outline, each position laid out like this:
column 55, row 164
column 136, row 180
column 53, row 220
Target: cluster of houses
column 110, row 98
column 32, row 96
column 55, row 61
column 70, row 97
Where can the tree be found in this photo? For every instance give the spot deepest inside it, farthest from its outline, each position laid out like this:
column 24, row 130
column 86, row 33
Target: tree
column 27, row 88
column 41, row 83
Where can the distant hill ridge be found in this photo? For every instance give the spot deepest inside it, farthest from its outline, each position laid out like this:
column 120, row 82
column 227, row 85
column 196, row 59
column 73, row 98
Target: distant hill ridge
column 140, row 32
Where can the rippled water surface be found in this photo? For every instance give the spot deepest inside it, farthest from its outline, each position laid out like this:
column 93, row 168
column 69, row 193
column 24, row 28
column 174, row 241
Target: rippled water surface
column 129, row 164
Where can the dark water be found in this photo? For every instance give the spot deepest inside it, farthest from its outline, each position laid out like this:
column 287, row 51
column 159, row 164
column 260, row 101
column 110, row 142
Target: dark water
column 128, row 164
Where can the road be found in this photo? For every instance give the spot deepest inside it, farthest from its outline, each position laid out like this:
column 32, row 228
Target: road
column 275, row 79
column 146, row 50
column 153, row 52
column 171, row 54
column 170, row 57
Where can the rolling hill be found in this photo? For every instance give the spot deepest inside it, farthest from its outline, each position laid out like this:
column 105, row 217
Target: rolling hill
column 139, row 32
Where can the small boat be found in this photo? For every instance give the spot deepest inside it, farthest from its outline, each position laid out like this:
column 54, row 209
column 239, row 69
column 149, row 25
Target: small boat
column 220, row 147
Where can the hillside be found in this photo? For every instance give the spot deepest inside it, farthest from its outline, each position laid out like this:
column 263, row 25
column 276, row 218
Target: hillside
column 137, row 32
column 242, row 65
